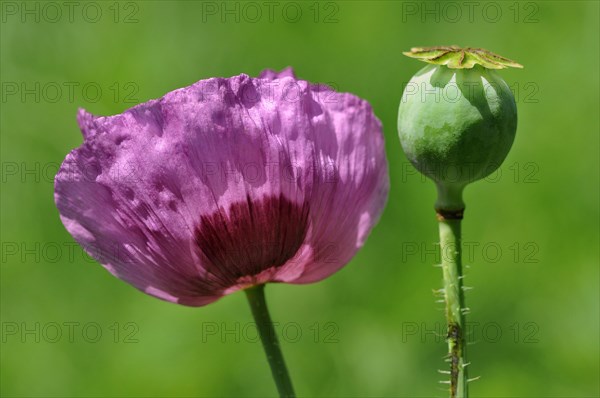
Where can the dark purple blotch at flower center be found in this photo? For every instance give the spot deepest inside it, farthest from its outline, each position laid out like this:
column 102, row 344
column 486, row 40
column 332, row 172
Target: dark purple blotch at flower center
column 256, row 235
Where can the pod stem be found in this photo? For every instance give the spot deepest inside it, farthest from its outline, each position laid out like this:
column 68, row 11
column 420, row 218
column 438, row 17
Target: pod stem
column 450, row 217
column 258, row 305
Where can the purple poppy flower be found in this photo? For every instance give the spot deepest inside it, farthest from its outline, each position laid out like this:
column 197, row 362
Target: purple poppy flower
column 226, row 184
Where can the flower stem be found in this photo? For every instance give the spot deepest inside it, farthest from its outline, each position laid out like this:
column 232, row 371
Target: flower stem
column 450, row 245
column 450, row 209
column 258, row 305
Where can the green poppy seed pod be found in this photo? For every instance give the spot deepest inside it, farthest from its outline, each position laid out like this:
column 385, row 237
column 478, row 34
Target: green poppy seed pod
column 457, row 118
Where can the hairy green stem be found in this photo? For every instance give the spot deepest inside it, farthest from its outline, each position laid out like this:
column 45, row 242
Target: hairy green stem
column 258, row 305
column 450, row 245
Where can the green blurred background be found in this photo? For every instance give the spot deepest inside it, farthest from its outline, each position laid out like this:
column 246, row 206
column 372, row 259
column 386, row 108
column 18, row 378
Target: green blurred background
column 374, row 328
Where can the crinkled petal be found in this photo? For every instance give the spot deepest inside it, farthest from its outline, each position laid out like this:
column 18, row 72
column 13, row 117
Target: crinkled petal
column 225, row 184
